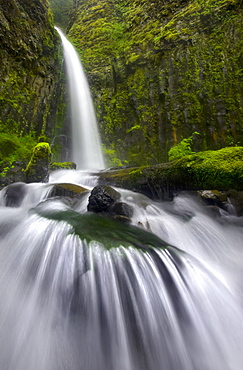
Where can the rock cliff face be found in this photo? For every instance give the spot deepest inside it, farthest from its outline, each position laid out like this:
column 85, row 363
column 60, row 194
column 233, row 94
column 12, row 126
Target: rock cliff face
column 30, row 78
column 160, row 70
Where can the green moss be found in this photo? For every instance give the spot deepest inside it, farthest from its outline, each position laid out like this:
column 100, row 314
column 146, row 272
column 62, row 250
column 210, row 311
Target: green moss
column 29, row 70
column 14, row 148
column 169, row 68
column 109, row 232
column 38, row 165
column 221, row 169
column 62, row 166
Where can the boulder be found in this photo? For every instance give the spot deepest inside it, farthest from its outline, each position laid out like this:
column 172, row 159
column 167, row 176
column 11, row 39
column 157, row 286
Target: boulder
column 37, row 169
column 14, row 194
column 15, row 173
column 102, row 198
column 62, row 166
column 66, row 190
column 235, row 199
column 122, row 211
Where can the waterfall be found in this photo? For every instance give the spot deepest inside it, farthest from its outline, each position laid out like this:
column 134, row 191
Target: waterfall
column 69, row 303
column 86, row 145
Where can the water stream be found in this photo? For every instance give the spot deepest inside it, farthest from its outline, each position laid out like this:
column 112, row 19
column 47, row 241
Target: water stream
column 86, row 145
column 81, row 292
column 70, row 304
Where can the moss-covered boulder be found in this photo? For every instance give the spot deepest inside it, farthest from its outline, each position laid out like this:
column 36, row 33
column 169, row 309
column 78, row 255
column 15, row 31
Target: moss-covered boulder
column 221, row 169
column 13, row 172
column 37, row 169
column 66, row 190
column 104, row 230
column 15, row 153
column 62, row 166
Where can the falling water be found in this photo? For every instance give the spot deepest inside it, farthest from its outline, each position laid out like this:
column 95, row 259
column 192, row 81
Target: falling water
column 83, row 292
column 69, row 303
column 86, row 145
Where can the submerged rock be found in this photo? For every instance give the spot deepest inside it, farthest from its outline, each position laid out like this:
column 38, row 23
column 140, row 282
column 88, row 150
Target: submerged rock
column 122, row 211
column 66, row 189
column 14, row 194
column 104, row 230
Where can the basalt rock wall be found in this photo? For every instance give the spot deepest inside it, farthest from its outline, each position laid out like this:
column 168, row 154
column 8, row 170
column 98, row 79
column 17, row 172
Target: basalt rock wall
column 161, row 70
column 31, row 93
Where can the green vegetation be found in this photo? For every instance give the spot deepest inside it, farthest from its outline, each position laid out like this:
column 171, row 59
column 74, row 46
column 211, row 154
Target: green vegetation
column 108, row 232
column 41, row 150
column 110, row 158
column 14, row 148
column 162, row 70
column 221, row 169
column 38, row 167
column 30, row 89
column 214, row 169
column 63, row 11
column 182, row 149
column 62, row 166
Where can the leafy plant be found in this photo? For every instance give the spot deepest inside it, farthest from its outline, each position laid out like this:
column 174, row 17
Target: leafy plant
column 111, row 159
column 183, row 148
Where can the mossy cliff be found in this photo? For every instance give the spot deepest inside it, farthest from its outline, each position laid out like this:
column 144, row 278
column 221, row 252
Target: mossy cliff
column 30, row 94
column 161, row 70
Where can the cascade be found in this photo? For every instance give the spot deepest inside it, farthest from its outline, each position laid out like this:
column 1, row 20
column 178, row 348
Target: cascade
column 69, row 303
column 86, row 145
column 84, row 292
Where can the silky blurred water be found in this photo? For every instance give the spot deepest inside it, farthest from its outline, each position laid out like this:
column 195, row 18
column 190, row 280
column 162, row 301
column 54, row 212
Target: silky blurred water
column 69, row 305
column 86, row 144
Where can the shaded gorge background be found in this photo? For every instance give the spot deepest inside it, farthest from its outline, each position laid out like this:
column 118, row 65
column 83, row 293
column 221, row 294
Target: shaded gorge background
column 158, row 71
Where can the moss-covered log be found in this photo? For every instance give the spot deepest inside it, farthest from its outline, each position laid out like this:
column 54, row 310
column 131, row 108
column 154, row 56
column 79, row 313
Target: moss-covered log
column 221, row 169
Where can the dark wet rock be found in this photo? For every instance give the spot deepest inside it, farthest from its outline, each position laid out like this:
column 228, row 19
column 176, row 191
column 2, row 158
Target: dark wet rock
column 212, row 196
column 122, row 209
column 14, row 194
column 102, row 198
column 123, row 219
column 15, row 173
column 236, row 200
column 69, row 194
column 31, row 82
column 66, row 190
column 215, row 211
